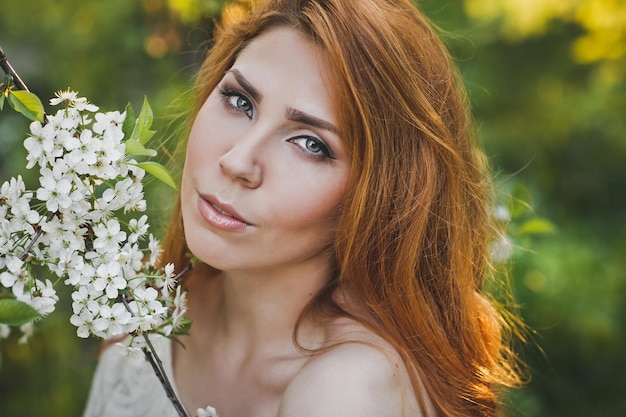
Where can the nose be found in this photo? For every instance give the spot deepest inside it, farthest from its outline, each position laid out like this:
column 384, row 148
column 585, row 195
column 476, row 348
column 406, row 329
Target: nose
column 241, row 163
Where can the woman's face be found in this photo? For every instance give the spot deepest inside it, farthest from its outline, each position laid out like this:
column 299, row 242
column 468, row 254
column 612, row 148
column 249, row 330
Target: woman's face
column 265, row 171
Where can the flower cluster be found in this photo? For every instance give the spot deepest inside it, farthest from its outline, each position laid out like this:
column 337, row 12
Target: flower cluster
column 78, row 225
column 206, row 412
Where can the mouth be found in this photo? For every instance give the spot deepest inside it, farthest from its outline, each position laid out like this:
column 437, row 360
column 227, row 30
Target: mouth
column 219, row 210
column 221, row 215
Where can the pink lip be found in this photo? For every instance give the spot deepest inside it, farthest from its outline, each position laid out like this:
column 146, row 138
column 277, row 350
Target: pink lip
column 220, row 215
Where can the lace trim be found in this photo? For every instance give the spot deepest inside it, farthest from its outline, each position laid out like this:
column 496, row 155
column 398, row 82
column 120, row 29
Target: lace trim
column 124, row 386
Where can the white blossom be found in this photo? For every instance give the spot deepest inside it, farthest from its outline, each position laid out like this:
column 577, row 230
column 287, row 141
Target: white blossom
column 24, row 217
column 112, row 320
column 169, row 280
column 81, row 104
column 131, row 259
column 86, row 153
column 108, row 236
column 20, row 287
column 66, row 96
column 85, row 298
column 206, row 412
column 134, row 350
column 54, row 192
column 8, row 279
column 5, row 331
column 67, row 140
column 39, row 144
column 45, row 297
column 109, row 279
column 138, row 228
column 109, row 120
column 13, row 264
column 70, row 225
column 27, row 331
column 147, row 308
column 155, row 250
column 180, row 308
column 84, row 322
column 13, row 189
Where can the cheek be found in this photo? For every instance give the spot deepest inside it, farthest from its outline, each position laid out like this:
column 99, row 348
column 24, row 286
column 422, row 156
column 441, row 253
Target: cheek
column 199, row 145
column 196, row 166
column 202, row 152
column 207, row 129
column 314, row 208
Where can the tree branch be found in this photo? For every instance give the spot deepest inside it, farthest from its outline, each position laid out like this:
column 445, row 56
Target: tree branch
column 8, row 69
column 157, row 366
column 34, row 238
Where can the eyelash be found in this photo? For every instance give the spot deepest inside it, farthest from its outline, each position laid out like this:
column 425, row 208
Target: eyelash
column 324, row 151
column 228, row 93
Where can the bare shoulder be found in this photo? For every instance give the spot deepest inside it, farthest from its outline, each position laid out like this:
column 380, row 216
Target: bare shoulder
column 362, row 377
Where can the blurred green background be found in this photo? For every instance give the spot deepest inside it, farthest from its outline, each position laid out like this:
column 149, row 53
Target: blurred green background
column 546, row 79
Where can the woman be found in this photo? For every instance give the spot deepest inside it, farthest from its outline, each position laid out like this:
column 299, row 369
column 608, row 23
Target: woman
column 337, row 203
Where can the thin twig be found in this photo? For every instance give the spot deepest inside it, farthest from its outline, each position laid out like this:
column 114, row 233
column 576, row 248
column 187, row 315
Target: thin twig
column 157, row 366
column 35, row 238
column 183, row 272
column 8, row 69
column 17, row 81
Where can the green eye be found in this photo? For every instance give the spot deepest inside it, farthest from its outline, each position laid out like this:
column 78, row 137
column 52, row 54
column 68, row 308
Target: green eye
column 237, row 101
column 243, row 104
column 313, row 147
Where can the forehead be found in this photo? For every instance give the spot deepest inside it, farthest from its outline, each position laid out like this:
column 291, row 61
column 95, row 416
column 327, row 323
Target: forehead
column 285, row 61
column 282, row 42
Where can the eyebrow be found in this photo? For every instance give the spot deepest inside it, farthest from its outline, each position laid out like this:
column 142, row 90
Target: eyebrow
column 292, row 114
column 299, row 116
column 245, row 84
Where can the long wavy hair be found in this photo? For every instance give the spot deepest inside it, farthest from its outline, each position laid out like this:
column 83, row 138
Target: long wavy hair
column 412, row 242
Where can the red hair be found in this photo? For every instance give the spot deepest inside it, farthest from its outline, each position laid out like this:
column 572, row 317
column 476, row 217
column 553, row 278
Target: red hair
column 413, row 236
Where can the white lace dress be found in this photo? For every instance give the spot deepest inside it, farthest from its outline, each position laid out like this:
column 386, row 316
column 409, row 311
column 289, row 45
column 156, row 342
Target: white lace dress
column 124, row 386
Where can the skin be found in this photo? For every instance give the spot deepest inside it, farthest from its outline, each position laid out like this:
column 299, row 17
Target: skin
column 251, row 152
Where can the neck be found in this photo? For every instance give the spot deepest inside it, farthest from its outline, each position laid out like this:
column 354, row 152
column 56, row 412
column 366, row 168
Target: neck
column 257, row 309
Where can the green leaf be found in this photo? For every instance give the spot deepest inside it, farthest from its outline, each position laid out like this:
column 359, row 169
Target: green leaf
column 129, row 122
column 144, row 121
column 536, row 226
column 183, row 327
column 1, row 100
column 27, row 103
column 134, row 147
column 158, row 171
column 16, row 313
column 146, row 136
